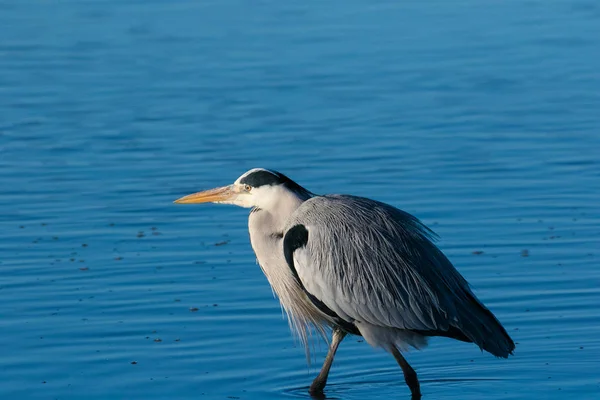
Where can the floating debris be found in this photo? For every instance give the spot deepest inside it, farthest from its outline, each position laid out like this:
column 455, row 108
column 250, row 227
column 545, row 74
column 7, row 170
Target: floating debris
column 84, row 245
column 222, row 243
column 158, row 340
column 524, row 253
column 478, row 252
column 193, row 309
column 84, row 269
column 134, row 362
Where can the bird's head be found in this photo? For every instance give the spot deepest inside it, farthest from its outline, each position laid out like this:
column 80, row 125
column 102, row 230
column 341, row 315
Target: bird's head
column 259, row 187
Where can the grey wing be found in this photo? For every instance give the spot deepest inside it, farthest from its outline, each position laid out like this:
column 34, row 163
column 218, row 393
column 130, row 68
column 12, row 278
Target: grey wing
column 368, row 261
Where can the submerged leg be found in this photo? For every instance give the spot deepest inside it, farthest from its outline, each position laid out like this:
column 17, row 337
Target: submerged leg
column 321, row 380
column 410, row 376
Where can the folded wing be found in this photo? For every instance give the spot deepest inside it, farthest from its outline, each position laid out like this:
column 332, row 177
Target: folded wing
column 369, row 262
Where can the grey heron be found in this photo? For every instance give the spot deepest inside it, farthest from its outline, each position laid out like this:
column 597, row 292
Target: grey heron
column 356, row 266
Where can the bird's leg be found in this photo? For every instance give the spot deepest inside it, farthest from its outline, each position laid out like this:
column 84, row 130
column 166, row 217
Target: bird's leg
column 410, row 376
column 321, row 380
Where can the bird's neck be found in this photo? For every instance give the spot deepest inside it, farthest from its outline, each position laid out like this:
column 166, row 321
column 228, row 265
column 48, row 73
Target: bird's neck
column 273, row 219
column 269, row 222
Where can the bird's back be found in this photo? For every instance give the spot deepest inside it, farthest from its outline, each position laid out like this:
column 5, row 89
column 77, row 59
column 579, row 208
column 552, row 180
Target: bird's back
column 369, row 261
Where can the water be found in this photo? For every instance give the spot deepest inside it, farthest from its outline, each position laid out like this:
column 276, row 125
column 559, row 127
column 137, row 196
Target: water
column 480, row 118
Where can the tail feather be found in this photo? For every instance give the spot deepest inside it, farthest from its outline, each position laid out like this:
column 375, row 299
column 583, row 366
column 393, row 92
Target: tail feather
column 478, row 324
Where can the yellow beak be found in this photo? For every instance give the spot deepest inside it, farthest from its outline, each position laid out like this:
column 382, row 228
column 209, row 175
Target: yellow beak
column 212, row 195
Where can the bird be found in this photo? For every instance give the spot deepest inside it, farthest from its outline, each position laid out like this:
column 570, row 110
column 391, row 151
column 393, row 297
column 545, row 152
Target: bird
column 350, row 265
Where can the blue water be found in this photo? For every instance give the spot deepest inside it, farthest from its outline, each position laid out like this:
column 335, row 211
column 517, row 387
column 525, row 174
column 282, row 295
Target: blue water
column 481, row 118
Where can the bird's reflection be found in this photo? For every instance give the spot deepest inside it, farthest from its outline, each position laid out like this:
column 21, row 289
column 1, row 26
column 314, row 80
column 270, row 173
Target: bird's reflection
column 318, row 396
column 323, row 396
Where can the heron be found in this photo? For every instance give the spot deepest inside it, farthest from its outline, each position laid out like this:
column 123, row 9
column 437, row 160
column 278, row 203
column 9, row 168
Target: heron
column 352, row 265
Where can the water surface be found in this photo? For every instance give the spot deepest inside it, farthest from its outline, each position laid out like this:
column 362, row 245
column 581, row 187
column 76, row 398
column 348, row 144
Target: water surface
column 480, row 119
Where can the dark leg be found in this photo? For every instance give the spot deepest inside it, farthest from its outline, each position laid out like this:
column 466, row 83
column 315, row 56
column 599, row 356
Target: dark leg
column 321, row 380
column 410, row 376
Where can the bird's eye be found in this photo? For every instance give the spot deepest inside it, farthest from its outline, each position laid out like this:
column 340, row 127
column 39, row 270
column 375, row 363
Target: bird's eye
column 247, row 188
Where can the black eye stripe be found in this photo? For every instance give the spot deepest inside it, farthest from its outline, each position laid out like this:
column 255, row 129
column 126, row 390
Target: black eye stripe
column 262, row 177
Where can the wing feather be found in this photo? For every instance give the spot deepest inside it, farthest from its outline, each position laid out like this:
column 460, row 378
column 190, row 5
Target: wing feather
column 368, row 261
